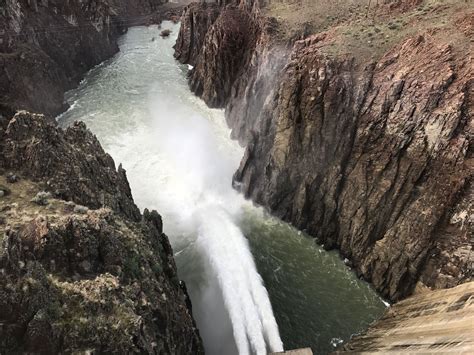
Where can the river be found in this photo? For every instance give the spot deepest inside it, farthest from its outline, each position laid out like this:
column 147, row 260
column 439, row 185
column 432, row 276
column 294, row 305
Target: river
column 256, row 283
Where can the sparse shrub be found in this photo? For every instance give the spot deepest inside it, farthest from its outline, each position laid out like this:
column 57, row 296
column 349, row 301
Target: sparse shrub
column 41, row 198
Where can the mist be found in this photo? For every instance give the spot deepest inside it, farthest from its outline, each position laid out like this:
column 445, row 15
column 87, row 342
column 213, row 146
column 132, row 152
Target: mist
column 180, row 161
column 202, row 210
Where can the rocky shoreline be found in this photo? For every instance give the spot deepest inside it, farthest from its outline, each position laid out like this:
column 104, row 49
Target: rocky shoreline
column 46, row 47
column 372, row 156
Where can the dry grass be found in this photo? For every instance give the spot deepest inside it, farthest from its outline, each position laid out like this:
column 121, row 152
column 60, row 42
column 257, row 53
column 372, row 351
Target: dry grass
column 17, row 209
column 365, row 32
column 314, row 15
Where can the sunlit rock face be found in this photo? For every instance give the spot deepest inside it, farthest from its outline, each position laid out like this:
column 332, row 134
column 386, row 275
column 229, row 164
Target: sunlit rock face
column 81, row 269
column 439, row 321
column 371, row 155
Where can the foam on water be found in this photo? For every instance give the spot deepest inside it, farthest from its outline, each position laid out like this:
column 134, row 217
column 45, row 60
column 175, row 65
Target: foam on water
column 180, row 161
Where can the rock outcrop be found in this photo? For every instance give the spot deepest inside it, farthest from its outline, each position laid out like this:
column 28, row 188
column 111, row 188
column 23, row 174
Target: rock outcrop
column 369, row 154
column 370, row 160
column 432, row 322
column 46, row 47
column 218, row 40
column 81, row 270
column 70, row 164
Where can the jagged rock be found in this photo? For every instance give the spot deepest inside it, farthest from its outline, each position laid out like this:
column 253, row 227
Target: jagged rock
column 76, row 278
column 218, row 43
column 195, row 22
column 92, row 281
column 379, row 147
column 70, row 164
column 47, row 47
column 370, row 156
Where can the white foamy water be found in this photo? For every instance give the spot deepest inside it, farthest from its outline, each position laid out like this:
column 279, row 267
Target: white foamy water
column 180, row 161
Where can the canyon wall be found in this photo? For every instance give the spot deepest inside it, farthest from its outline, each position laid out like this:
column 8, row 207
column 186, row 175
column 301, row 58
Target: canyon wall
column 370, row 154
column 46, row 46
column 81, row 269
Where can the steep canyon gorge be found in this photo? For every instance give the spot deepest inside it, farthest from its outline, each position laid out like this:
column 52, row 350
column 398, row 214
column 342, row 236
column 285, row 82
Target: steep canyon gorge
column 355, row 119
column 368, row 153
column 363, row 140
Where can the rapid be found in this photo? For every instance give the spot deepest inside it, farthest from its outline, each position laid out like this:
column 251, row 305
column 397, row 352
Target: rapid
column 256, row 284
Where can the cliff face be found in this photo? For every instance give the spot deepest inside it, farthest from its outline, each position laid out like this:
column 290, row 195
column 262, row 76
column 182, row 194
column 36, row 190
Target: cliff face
column 369, row 161
column 369, row 154
column 82, row 269
column 47, row 46
column 218, row 40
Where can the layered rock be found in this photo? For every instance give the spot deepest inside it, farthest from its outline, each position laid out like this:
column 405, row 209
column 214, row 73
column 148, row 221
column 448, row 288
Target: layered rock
column 218, row 40
column 365, row 160
column 81, row 269
column 47, row 46
column 372, row 156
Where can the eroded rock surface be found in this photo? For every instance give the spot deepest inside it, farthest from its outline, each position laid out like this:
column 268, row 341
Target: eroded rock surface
column 46, row 47
column 370, row 161
column 69, row 163
column 218, row 40
column 83, row 270
column 371, row 154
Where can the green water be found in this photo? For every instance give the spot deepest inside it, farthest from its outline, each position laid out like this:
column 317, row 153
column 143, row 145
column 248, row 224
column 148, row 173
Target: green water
column 180, row 160
column 317, row 300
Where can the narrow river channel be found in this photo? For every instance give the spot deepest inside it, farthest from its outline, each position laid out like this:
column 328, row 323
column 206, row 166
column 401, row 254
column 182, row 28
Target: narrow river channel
column 256, row 283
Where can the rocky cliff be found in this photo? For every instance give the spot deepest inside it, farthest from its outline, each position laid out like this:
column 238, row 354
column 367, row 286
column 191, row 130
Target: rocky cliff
column 46, row 46
column 216, row 39
column 360, row 133
column 81, row 269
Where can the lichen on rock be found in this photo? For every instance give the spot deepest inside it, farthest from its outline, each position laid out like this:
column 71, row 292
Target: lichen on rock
column 74, row 278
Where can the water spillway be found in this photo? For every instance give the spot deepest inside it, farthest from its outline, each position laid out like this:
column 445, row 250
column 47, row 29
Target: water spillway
column 256, row 284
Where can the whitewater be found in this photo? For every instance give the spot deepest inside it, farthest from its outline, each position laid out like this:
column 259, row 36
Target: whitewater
column 180, row 161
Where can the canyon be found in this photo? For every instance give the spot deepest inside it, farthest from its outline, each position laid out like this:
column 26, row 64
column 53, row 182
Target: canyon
column 81, row 268
column 47, row 46
column 369, row 152
column 356, row 122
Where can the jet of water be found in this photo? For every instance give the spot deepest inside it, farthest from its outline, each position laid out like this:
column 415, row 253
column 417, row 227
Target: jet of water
column 202, row 168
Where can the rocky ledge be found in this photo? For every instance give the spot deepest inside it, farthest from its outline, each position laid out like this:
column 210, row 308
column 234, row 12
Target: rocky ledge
column 81, row 269
column 364, row 143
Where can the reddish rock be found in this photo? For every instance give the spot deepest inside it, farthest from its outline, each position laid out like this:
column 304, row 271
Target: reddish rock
column 372, row 158
column 369, row 161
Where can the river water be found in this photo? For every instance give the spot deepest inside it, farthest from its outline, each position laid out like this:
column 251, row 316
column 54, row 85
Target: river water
column 256, row 284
